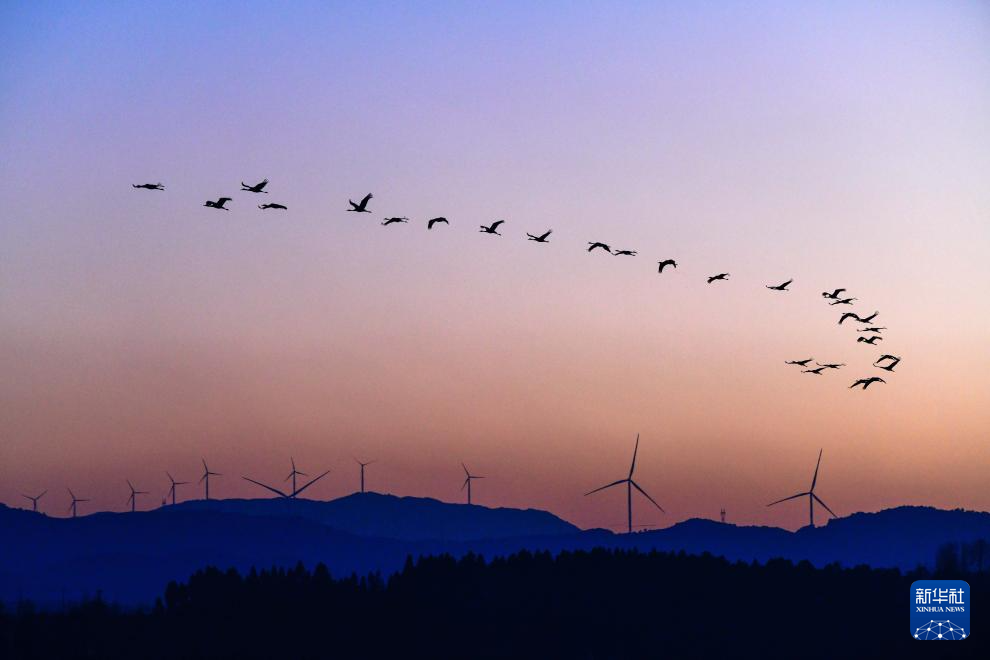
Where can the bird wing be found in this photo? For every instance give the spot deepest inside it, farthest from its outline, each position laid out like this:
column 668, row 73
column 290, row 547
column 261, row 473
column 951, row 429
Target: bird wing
column 366, row 199
column 274, row 490
column 496, row 223
column 614, row 483
column 787, row 498
column 224, row 200
column 543, row 237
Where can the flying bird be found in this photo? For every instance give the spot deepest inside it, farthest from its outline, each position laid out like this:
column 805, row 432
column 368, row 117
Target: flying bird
column 603, row 246
column 831, row 365
column 625, row 253
column 849, row 315
column 887, row 357
column 430, row 223
column 392, row 221
column 256, row 188
column 780, row 287
column 720, row 276
column 888, row 367
column 666, row 262
column 870, row 340
column 800, row 363
column 491, row 229
column 817, row 371
column 868, row 319
column 271, row 206
column 362, row 207
column 834, row 295
column 219, row 204
column 149, row 186
column 844, row 301
column 872, row 329
column 866, row 382
column 542, row 238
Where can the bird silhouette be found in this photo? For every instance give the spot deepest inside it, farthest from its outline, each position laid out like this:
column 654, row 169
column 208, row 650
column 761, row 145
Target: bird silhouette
column 817, row 371
column 866, row 382
column 887, row 357
column 271, row 206
column 392, row 221
column 888, row 367
column 834, row 295
column 625, row 253
column 720, row 276
column 872, row 329
column 540, row 239
column 780, row 287
column 492, row 228
column 800, row 363
column 362, row 207
column 870, row 340
column 430, row 223
column 603, row 246
column 849, row 315
column 844, row 301
column 149, row 186
column 256, row 188
column 219, row 204
column 831, row 365
column 868, row 319
column 666, row 262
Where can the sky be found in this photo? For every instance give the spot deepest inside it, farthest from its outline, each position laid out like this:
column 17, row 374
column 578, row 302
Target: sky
column 840, row 144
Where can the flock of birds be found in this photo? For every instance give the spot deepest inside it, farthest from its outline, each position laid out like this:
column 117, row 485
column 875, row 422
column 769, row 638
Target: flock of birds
column 871, row 333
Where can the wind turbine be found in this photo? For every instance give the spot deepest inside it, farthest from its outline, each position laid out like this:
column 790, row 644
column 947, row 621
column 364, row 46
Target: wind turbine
column 630, row 484
column 295, row 491
column 75, row 500
column 132, row 500
column 292, row 475
column 206, row 477
column 363, row 464
column 467, row 482
column 34, row 500
column 171, row 491
column 812, row 498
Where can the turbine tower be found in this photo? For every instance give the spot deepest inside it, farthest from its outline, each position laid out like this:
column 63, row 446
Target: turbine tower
column 132, row 500
column 363, row 464
column 630, row 484
column 75, row 501
column 292, row 475
column 206, row 477
column 171, row 491
column 467, row 482
column 812, row 498
column 34, row 500
column 721, row 514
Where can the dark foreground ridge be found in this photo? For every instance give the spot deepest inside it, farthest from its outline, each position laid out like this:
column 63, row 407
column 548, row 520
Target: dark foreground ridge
column 598, row 604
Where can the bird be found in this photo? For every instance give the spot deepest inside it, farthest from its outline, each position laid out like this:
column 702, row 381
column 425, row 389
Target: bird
column 149, row 186
column 780, row 287
column 817, row 371
column 872, row 329
column 866, row 382
column 361, row 207
column 666, row 262
column 834, row 295
column 271, row 206
column 800, row 363
column 868, row 319
column 870, row 340
column 887, row 357
column 256, row 188
column 720, row 276
column 844, row 301
column 625, row 253
column 219, row 203
column 848, row 315
column 390, row 221
column 430, row 223
column 542, row 238
column 491, row 229
column 831, row 365
column 596, row 244
column 888, row 367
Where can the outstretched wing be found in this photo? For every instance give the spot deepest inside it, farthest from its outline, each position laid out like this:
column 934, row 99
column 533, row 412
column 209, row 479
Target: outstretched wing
column 367, row 198
column 496, row 224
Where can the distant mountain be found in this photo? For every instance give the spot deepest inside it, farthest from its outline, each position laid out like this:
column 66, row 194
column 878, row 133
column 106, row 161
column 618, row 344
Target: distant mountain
column 404, row 518
column 131, row 556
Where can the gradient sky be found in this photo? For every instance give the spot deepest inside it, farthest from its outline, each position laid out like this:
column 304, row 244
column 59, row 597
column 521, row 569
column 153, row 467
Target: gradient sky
column 841, row 144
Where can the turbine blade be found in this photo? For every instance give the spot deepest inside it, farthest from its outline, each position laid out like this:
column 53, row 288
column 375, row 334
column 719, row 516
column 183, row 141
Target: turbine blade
column 203, row 477
column 42, row 494
column 819, row 500
column 614, row 483
column 464, row 485
column 311, row 482
column 815, row 478
column 633, row 466
column 274, row 490
column 465, row 469
column 636, row 486
column 788, row 498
